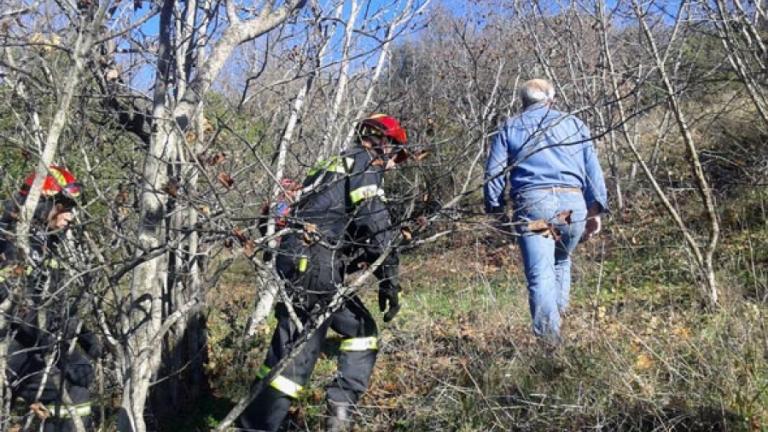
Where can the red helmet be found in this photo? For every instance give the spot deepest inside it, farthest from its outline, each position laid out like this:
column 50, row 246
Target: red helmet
column 386, row 126
column 58, row 181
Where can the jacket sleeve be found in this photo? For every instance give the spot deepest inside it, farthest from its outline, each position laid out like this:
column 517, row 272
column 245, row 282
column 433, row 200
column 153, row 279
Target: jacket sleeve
column 595, row 191
column 371, row 226
column 495, row 178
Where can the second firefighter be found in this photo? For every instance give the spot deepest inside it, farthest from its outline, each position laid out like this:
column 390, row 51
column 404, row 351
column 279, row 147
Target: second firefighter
column 344, row 203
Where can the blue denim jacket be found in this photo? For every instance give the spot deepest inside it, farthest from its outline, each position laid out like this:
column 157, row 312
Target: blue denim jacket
column 543, row 148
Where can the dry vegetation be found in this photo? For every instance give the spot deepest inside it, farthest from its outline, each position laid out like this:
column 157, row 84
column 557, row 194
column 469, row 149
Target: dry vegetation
column 667, row 329
column 640, row 353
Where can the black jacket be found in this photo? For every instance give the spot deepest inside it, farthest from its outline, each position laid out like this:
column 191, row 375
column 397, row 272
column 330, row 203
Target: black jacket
column 344, row 199
column 33, row 285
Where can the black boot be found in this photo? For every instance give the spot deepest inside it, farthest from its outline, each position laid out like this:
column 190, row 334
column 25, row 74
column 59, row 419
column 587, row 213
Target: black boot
column 339, row 417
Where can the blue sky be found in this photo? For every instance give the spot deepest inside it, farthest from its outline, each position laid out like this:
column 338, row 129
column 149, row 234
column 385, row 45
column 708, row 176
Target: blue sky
column 144, row 77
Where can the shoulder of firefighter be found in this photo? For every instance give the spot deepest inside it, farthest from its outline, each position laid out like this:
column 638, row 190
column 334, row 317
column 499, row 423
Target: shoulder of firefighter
column 23, row 282
column 353, row 180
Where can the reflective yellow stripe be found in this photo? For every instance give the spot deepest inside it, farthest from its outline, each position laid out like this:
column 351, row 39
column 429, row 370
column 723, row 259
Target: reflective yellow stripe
column 359, row 344
column 365, row 192
column 335, row 164
column 286, row 386
column 281, row 383
column 58, row 176
column 302, row 264
column 4, row 273
column 80, row 410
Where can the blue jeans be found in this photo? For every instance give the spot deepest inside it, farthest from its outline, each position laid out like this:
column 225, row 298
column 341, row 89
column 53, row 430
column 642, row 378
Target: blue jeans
column 548, row 261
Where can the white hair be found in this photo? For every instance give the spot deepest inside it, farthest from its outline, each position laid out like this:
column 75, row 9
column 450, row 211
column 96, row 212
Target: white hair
column 535, row 91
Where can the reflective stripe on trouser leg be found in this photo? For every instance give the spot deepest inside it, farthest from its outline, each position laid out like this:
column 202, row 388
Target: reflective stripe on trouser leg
column 69, row 411
column 357, row 353
column 281, row 383
column 359, row 344
column 268, row 410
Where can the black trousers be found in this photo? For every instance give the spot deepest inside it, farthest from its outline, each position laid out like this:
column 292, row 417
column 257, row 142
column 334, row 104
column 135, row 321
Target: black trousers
column 73, row 373
column 313, row 284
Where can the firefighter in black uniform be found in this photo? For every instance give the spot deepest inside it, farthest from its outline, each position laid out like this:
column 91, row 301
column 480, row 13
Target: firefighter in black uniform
column 41, row 315
column 343, row 201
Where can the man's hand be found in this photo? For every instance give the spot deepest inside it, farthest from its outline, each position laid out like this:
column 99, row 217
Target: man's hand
column 389, row 295
column 592, row 227
column 594, row 223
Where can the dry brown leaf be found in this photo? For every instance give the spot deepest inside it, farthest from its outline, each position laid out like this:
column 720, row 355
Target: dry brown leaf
column 422, row 222
column 171, row 188
column 19, row 270
column 538, row 225
column 249, row 248
column 216, row 159
column 407, row 235
column 643, row 362
column 565, row 216
column 420, row 155
column 682, row 332
column 122, row 197
column 239, row 234
column 226, row 180
column 207, row 126
column 389, row 387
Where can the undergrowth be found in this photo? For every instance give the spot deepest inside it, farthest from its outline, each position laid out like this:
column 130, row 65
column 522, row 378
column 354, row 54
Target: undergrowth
column 642, row 352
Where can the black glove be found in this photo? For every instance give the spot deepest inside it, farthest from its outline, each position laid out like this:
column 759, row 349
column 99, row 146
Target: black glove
column 389, row 293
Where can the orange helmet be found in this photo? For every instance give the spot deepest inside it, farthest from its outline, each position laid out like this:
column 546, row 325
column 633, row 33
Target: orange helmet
column 59, row 181
column 386, row 126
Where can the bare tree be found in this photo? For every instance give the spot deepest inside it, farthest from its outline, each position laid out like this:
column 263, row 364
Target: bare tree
column 182, row 117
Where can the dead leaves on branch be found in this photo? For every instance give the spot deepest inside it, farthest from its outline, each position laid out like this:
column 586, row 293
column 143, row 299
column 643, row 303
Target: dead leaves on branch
column 310, row 234
column 549, row 229
column 204, row 159
column 206, row 129
column 225, row 179
column 249, row 246
column 172, row 187
column 216, row 159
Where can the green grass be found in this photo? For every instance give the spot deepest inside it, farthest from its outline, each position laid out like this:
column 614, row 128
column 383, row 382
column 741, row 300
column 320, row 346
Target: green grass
column 640, row 351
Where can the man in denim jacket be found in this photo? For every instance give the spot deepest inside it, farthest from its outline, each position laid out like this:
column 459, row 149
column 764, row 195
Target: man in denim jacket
column 556, row 182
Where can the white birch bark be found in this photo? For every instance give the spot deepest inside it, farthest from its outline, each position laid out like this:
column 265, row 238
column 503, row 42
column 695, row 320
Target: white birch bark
column 141, row 354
